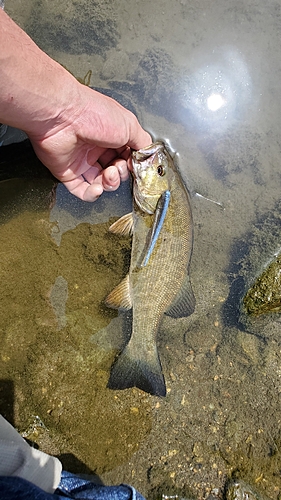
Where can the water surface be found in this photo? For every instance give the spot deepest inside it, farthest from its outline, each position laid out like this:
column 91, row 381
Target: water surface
column 205, row 76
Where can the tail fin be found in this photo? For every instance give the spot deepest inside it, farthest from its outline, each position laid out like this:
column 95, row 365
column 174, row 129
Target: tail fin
column 146, row 374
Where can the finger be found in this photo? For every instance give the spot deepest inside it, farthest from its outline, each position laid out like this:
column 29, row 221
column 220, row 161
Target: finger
column 138, row 137
column 122, row 168
column 83, row 190
column 110, row 178
column 94, row 154
column 108, row 157
column 124, row 152
column 91, row 174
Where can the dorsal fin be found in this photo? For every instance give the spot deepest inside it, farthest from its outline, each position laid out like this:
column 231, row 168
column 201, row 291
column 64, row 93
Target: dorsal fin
column 124, row 225
column 120, row 297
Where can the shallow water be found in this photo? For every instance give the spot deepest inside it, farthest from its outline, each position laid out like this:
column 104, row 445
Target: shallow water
column 204, row 76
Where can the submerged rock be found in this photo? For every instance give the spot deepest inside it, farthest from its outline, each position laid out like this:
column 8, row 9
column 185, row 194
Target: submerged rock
column 265, row 294
column 254, row 301
column 239, row 490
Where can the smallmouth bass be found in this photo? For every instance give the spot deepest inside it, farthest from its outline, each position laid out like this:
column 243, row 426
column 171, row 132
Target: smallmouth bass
column 158, row 280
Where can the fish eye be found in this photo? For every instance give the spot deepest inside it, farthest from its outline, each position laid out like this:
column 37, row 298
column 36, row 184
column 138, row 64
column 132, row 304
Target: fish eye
column 161, row 170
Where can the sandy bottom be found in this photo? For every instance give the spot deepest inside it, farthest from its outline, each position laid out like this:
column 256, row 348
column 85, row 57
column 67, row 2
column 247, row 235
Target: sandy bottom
column 221, row 417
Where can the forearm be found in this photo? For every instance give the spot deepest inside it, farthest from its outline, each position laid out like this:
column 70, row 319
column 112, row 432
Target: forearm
column 34, row 89
column 81, row 135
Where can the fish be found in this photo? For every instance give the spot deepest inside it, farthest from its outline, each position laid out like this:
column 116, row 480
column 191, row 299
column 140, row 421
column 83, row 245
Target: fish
column 158, row 280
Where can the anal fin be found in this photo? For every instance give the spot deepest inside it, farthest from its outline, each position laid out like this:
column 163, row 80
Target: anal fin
column 120, row 297
column 184, row 303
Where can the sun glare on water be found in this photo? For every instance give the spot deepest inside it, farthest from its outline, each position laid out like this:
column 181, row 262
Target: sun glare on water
column 215, row 102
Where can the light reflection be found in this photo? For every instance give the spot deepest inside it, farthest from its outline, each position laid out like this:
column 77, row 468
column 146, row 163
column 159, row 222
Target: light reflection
column 215, row 102
column 218, row 92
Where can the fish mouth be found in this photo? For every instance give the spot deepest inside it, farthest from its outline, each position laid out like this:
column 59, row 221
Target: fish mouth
column 143, row 154
column 139, row 167
column 143, row 201
column 139, row 171
column 146, row 193
column 142, row 158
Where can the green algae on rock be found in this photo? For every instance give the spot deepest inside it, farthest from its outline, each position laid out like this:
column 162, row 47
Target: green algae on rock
column 265, row 294
column 255, row 296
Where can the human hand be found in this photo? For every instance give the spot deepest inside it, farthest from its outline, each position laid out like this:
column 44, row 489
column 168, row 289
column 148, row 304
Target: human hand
column 83, row 137
column 89, row 146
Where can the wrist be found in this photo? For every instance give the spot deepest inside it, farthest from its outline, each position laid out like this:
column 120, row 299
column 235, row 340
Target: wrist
column 55, row 109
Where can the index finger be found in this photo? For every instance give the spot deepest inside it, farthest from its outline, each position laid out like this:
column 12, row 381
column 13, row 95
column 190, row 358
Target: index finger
column 138, row 137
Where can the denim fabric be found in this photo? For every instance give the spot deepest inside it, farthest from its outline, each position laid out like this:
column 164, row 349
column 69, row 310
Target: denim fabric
column 71, row 486
column 10, row 135
column 16, row 488
column 78, row 488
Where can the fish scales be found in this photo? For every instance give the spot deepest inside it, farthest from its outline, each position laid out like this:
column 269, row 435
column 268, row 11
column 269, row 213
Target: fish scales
column 163, row 277
column 154, row 287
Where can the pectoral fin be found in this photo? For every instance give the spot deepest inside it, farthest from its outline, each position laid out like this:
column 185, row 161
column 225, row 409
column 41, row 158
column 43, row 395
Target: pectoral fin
column 120, row 297
column 184, row 303
column 124, row 225
column 159, row 217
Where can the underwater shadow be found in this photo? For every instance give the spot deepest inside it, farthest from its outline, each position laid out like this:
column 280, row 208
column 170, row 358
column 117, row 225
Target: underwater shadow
column 69, row 461
column 231, row 307
column 18, row 160
column 7, row 399
column 72, row 464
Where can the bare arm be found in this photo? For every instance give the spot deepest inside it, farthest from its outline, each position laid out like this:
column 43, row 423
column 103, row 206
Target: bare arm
column 83, row 137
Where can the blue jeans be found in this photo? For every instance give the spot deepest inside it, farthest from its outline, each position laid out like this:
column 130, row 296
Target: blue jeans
column 71, row 486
